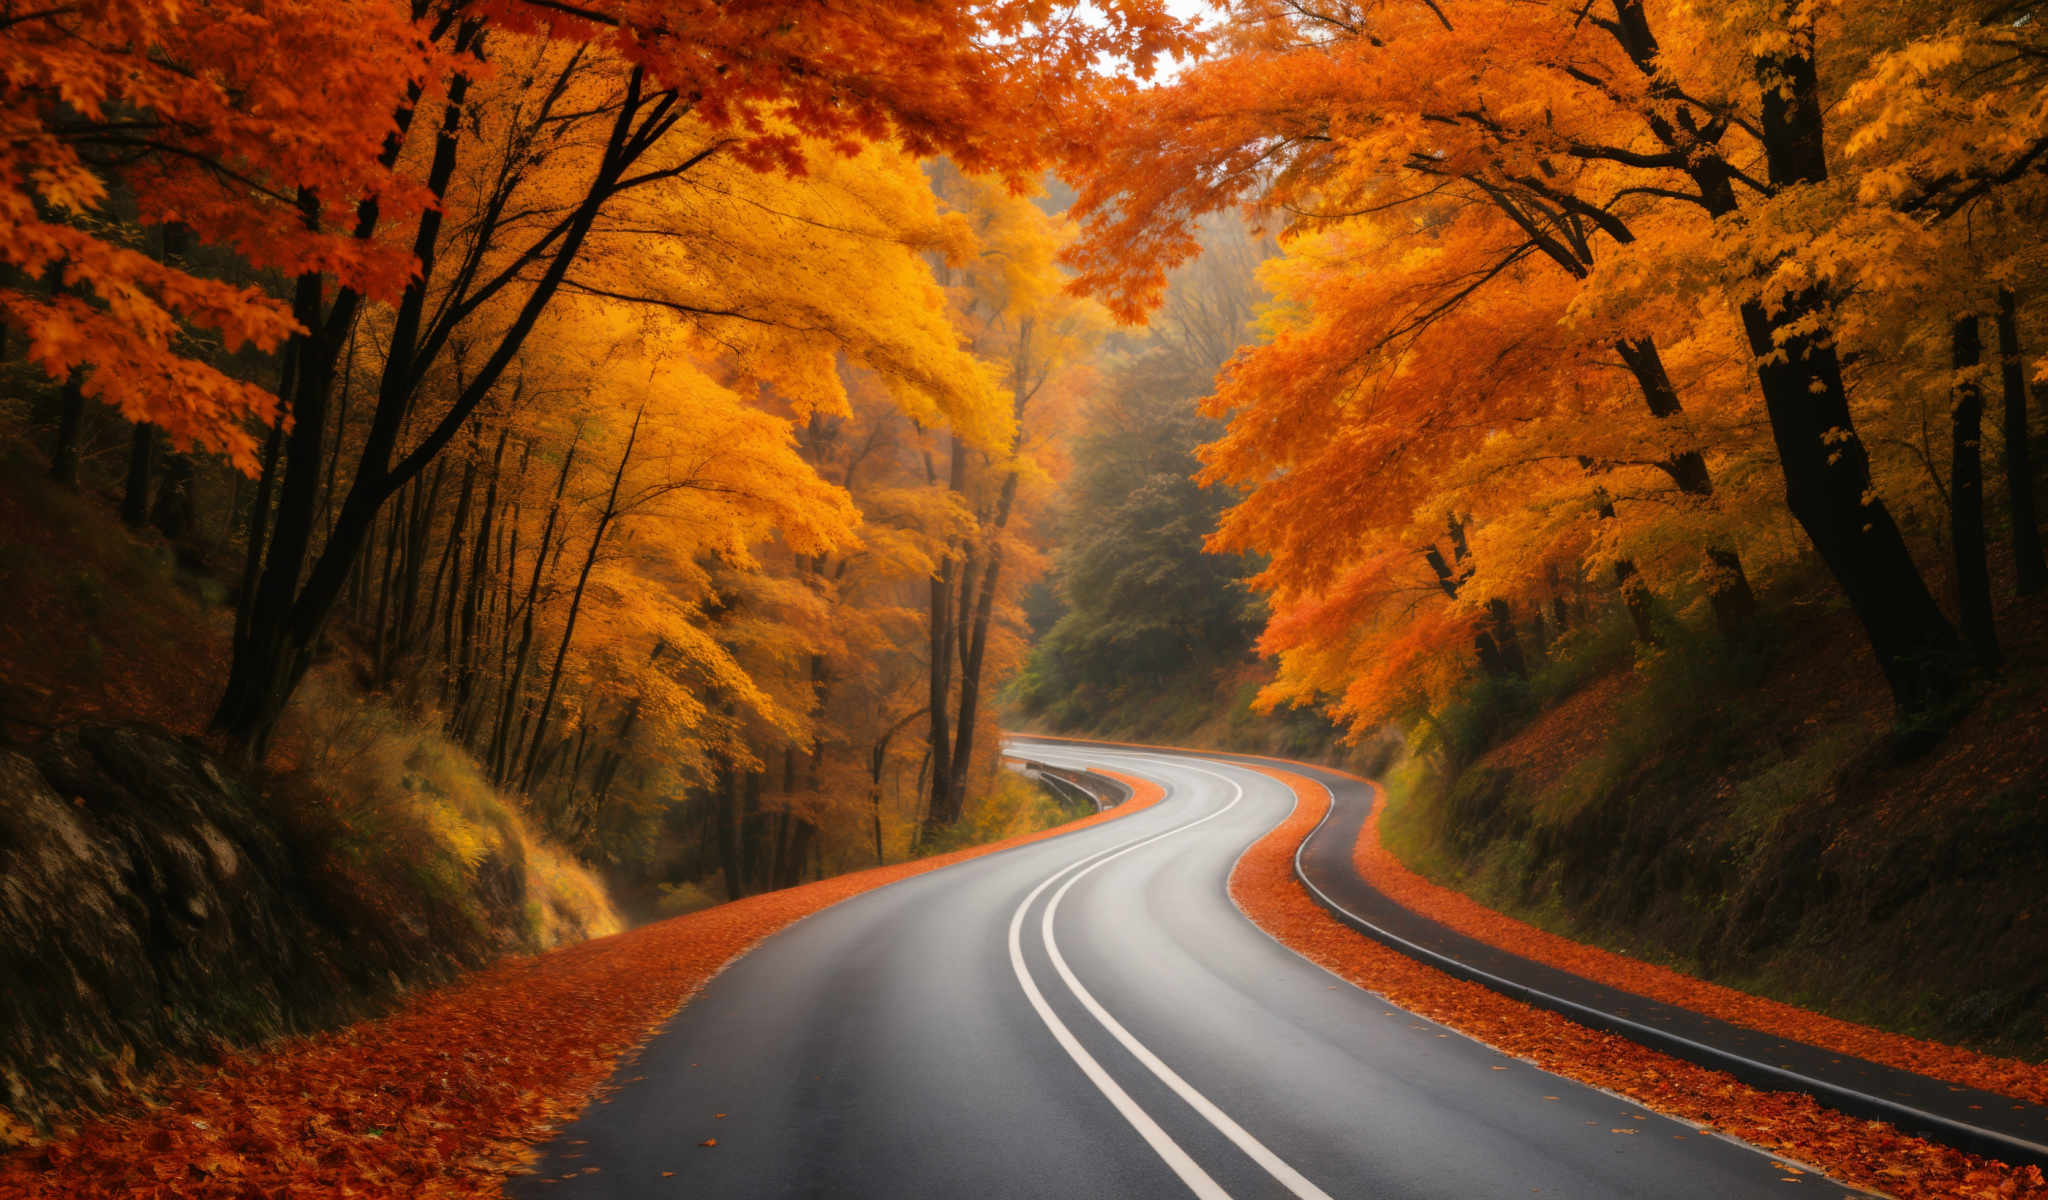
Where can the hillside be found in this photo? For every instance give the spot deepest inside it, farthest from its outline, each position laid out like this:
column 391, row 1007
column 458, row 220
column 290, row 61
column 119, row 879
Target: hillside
column 1753, row 824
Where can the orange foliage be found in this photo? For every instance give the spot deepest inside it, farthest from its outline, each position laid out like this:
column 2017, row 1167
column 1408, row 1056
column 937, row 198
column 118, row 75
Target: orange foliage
column 1866, row 1153
column 442, row 1098
column 252, row 115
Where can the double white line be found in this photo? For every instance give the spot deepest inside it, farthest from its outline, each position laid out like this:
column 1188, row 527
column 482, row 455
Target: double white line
column 1162, row 1144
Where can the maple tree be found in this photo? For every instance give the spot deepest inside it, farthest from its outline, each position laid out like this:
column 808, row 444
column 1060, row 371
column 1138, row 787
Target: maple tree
column 1009, row 301
column 753, row 84
column 1509, row 225
column 585, row 362
column 220, row 123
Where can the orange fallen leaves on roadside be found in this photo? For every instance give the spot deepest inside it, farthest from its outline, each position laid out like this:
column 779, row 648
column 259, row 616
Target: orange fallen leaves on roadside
column 445, row 1097
column 1453, row 909
column 1868, row 1154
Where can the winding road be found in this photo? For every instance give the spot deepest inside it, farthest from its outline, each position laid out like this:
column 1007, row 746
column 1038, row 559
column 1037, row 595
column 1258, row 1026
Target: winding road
column 1091, row 1016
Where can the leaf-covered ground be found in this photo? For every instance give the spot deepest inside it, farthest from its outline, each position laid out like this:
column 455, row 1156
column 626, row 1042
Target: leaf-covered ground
column 1385, row 871
column 1869, row 1154
column 445, row 1097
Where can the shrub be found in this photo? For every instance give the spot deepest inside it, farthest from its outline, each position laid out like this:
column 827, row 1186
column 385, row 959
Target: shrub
column 410, row 816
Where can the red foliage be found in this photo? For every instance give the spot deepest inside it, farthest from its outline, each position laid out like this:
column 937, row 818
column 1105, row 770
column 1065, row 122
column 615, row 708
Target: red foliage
column 2005, row 1076
column 444, row 1097
column 1870, row 1154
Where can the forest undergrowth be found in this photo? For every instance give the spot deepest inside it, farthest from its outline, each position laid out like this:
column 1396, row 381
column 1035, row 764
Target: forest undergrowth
column 1747, row 821
column 395, row 833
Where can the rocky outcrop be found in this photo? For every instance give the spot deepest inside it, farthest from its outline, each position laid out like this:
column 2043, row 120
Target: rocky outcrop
column 154, row 904
column 147, row 905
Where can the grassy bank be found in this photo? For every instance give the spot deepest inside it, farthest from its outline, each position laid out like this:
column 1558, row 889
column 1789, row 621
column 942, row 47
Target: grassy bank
column 1744, row 818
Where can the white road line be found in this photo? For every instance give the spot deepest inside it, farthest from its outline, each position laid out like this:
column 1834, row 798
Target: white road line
column 1274, row 1165
column 1425, row 955
column 1256, row 1150
column 1165, row 1147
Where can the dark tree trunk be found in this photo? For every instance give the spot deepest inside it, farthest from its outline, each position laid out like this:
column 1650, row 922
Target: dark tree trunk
column 878, row 757
column 1495, row 643
column 1636, row 598
column 604, row 523
column 259, row 526
column 756, row 834
column 380, row 625
column 1728, row 591
column 945, row 805
column 1635, row 594
column 472, row 602
column 294, row 600
column 141, row 463
column 975, row 653
column 419, row 528
column 448, row 571
column 1505, row 639
column 1966, row 498
column 1827, row 470
column 70, row 428
column 2028, row 563
column 730, row 818
column 175, row 513
column 503, row 744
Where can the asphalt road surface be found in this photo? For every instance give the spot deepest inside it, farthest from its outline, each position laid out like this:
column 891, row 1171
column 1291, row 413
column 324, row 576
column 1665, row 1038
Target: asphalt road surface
column 1091, row 1016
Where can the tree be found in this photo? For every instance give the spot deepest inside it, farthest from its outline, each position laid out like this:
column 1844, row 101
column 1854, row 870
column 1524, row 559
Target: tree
column 654, row 99
column 209, row 119
column 1617, row 152
column 1144, row 608
column 1008, row 300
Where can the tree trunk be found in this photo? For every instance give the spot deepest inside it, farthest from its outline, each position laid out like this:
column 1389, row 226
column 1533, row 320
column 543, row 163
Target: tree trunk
column 259, row 524
column 448, row 572
column 1728, row 591
column 878, row 758
column 604, row 522
column 473, row 597
column 1505, row 640
column 70, row 427
column 380, row 625
column 269, row 663
column 141, row 460
column 419, row 529
column 1966, row 497
column 976, row 655
column 2028, row 563
column 945, row 805
column 502, row 744
column 730, row 818
column 175, row 514
column 1827, row 470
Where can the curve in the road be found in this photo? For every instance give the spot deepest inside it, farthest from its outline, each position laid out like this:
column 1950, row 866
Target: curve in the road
column 1969, row 1119
column 1254, row 1149
column 890, row 1047
column 1168, row 1150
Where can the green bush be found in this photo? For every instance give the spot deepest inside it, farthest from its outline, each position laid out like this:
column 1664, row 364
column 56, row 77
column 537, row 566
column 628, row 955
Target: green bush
column 413, row 816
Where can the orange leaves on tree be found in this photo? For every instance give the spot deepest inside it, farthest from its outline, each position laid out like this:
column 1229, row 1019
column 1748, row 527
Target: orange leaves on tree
column 223, row 119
